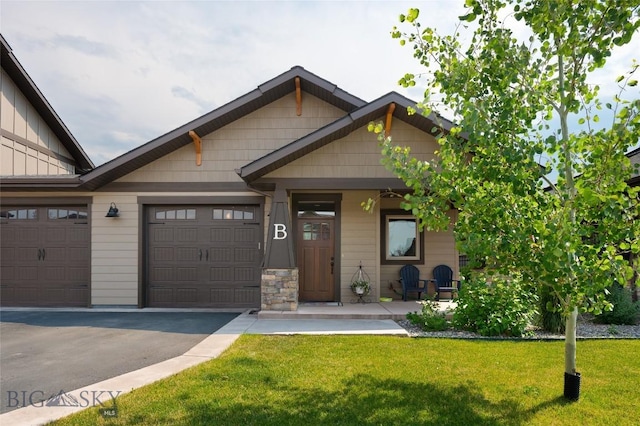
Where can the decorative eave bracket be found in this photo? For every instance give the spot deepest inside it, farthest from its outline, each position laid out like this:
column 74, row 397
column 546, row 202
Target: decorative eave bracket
column 298, row 97
column 387, row 126
column 197, row 142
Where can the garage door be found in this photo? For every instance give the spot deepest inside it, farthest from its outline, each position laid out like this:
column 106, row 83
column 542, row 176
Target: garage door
column 45, row 256
column 203, row 256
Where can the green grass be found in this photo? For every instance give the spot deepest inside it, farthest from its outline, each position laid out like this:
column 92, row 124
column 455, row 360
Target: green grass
column 378, row 380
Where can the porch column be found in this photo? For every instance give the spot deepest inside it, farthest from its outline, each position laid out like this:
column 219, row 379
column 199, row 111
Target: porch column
column 279, row 274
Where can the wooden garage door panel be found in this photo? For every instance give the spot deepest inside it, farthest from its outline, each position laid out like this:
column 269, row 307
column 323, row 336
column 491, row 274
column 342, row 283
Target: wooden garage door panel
column 244, row 274
column 186, row 274
column 55, row 235
column 221, row 274
column 245, row 235
column 160, row 295
column 25, row 255
column 30, row 234
column 245, row 255
column 26, row 293
column 208, row 258
column 187, row 235
column 78, row 274
column 55, row 273
column 249, row 296
column 159, row 274
column 188, row 254
column 187, row 295
column 7, row 273
column 78, row 255
column 221, row 254
column 162, row 234
column 25, row 274
column 220, row 235
column 45, row 256
column 163, row 254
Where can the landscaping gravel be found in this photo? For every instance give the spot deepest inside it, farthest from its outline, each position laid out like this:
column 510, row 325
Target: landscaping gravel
column 587, row 329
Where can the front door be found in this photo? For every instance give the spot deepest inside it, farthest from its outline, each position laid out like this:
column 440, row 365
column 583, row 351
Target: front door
column 316, row 224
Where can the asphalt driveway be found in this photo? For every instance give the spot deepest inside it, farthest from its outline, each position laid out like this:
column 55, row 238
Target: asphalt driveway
column 44, row 353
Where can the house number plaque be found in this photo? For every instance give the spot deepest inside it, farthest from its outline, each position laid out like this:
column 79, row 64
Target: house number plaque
column 280, row 231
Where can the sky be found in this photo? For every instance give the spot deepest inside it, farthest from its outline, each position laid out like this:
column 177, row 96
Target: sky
column 122, row 73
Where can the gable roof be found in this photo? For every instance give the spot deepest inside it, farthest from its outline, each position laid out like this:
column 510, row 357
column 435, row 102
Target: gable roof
column 340, row 128
column 31, row 92
column 263, row 95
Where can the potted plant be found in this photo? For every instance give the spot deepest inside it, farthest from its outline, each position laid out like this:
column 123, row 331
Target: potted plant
column 360, row 287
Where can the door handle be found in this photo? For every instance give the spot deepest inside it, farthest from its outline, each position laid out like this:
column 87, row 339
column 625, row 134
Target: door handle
column 44, row 254
column 200, row 253
column 39, row 254
column 332, row 263
column 207, row 258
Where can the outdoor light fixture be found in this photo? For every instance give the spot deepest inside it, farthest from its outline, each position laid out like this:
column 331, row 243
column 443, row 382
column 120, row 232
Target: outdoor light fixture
column 113, row 211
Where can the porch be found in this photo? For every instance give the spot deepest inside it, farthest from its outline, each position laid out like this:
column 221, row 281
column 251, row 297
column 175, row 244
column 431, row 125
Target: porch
column 395, row 310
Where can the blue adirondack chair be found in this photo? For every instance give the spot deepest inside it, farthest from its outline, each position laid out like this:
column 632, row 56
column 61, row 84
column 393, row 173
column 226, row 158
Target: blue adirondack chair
column 410, row 280
column 444, row 282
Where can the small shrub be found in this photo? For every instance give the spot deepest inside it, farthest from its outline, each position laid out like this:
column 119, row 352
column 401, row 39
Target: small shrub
column 500, row 308
column 429, row 318
column 625, row 310
column 550, row 320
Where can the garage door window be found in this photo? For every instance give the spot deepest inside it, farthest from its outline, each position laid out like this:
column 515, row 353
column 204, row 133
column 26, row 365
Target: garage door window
column 234, row 213
column 177, row 214
column 20, row 214
column 56, row 214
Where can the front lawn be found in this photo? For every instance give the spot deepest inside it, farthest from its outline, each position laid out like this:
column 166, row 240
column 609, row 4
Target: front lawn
column 381, row 380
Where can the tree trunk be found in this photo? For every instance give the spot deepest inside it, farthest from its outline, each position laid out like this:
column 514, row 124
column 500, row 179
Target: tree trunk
column 571, row 376
column 570, row 342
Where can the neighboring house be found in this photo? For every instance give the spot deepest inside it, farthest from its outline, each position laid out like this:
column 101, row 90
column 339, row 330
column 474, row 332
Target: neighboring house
column 255, row 204
column 43, row 260
column 35, row 141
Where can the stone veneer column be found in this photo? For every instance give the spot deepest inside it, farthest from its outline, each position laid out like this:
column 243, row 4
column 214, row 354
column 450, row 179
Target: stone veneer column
column 279, row 289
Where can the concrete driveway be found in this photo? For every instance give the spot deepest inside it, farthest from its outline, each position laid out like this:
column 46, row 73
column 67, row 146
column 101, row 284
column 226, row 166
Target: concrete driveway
column 45, row 353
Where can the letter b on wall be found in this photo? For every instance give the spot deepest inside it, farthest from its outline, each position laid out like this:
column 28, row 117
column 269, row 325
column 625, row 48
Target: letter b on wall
column 280, row 231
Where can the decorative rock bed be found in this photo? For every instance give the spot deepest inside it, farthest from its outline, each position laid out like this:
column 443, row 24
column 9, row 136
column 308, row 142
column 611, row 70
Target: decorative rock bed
column 587, row 329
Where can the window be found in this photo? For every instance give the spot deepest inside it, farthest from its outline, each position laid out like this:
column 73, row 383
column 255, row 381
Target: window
column 316, row 231
column 176, row 214
column 71, row 214
column 234, row 213
column 20, row 214
column 402, row 241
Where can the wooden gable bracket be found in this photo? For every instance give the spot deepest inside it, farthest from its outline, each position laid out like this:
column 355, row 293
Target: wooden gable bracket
column 298, row 97
column 387, row 126
column 197, row 142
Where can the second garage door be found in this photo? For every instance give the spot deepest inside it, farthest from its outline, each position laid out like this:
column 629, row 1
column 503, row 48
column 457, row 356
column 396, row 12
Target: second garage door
column 45, row 256
column 203, row 256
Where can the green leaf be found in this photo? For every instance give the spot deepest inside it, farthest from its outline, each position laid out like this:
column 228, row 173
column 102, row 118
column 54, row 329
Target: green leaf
column 470, row 17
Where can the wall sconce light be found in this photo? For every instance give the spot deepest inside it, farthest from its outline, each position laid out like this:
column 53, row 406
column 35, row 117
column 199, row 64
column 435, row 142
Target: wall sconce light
column 113, row 211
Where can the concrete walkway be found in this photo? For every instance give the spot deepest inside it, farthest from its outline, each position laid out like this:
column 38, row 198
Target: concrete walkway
column 370, row 318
